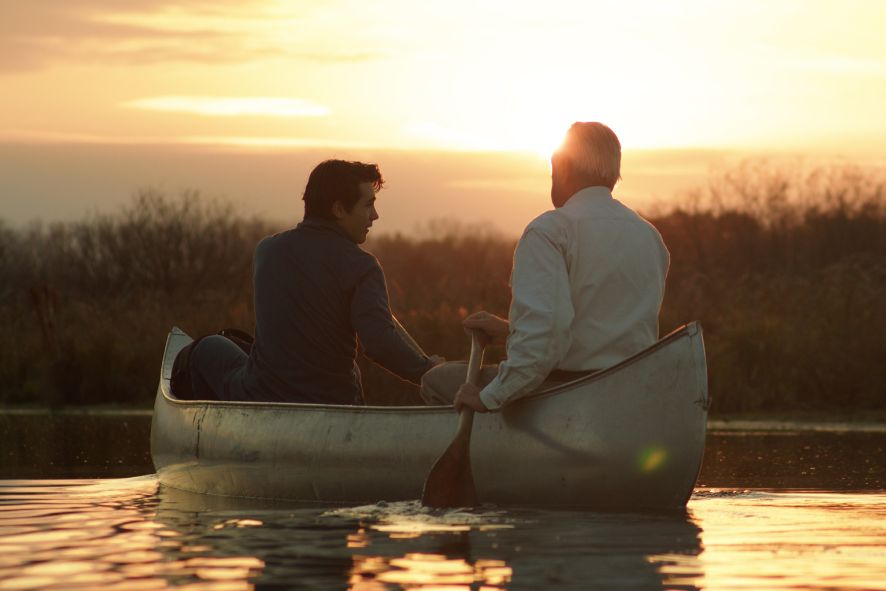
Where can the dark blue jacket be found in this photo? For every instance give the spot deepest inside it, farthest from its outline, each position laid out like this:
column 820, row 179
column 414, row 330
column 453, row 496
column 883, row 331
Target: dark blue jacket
column 316, row 293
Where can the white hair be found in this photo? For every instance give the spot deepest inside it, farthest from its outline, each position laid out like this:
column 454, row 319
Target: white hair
column 593, row 149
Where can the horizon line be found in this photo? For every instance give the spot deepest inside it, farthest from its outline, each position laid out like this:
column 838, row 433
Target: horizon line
column 271, row 143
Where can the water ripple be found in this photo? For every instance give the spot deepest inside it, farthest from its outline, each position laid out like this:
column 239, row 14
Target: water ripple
column 130, row 534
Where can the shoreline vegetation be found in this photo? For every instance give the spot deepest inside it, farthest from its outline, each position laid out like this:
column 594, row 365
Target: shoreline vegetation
column 784, row 268
column 871, row 421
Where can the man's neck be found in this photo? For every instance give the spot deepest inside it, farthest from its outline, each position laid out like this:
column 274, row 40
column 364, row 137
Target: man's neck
column 597, row 189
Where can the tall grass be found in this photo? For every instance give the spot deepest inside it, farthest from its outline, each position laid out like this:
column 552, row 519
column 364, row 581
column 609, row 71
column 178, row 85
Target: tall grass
column 86, row 305
column 784, row 267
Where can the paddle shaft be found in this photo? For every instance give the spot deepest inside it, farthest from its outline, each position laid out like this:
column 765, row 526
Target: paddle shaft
column 466, row 416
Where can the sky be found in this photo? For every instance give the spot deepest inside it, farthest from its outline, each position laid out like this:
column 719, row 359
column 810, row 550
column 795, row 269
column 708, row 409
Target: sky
column 460, row 101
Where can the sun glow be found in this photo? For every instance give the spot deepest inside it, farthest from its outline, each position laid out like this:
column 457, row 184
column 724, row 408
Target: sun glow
column 532, row 134
column 544, row 138
column 460, row 76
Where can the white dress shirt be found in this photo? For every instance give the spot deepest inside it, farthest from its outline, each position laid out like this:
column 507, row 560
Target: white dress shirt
column 587, row 286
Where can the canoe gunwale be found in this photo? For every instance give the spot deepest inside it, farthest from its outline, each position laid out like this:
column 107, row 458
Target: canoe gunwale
column 687, row 330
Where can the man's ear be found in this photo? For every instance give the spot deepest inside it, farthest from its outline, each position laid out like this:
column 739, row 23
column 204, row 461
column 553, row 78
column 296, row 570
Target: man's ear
column 338, row 210
column 564, row 168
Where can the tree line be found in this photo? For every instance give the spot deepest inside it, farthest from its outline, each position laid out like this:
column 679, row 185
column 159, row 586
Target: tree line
column 784, row 268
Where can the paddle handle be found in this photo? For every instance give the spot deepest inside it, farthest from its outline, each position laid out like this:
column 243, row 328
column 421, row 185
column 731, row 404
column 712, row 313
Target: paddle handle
column 475, row 361
column 476, row 358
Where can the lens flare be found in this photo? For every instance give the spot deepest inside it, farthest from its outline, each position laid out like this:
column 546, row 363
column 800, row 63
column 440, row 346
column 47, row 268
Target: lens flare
column 651, row 459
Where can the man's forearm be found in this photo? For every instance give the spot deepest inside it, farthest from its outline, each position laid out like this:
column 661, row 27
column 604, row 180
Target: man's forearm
column 511, row 383
column 388, row 349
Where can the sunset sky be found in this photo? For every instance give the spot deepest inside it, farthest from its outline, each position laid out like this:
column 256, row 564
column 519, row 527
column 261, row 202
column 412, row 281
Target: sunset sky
column 182, row 94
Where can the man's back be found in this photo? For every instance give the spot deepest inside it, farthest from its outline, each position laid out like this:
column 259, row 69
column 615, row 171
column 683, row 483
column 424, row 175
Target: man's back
column 305, row 344
column 316, row 293
column 616, row 264
column 586, row 289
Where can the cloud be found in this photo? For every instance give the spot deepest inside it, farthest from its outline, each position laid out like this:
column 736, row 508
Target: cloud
column 24, row 137
column 39, row 33
column 214, row 106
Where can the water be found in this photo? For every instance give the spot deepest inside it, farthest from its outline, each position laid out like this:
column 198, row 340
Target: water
column 781, row 508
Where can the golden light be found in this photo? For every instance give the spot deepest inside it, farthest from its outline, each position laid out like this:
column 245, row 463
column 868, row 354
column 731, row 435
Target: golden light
column 428, row 571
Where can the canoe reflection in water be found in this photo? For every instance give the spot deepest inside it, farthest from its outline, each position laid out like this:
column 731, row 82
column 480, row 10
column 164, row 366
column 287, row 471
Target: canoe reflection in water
column 403, row 545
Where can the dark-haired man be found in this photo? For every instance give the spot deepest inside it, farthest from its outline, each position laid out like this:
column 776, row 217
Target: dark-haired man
column 316, row 294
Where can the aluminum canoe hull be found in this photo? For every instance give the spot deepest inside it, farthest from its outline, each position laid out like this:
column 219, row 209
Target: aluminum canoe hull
column 627, row 438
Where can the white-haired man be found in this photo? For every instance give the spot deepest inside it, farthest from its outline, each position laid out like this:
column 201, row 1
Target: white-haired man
column 587, row 284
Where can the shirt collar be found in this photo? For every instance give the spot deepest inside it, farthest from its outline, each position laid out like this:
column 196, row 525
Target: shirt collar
column 319, row 223
column 597, row 193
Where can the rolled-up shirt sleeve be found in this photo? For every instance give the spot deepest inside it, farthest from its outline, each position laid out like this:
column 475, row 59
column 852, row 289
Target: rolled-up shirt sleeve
column 540, row 318
column 381, row 341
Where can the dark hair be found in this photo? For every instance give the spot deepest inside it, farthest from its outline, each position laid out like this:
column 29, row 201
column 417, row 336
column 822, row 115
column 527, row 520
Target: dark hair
column 338, row 180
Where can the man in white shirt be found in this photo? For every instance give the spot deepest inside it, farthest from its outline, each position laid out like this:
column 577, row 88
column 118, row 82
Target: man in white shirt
column 587, row 284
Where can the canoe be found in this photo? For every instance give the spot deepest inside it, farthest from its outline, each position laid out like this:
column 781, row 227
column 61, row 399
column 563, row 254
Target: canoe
column 630, row 437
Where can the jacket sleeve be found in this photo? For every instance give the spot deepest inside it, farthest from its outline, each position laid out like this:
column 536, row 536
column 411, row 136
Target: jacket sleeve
column 381, row 341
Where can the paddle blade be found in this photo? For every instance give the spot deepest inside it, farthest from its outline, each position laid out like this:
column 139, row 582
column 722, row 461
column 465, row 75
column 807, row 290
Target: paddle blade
column 451, row 481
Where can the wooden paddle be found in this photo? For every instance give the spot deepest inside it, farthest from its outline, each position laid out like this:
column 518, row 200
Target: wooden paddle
column 450, row 482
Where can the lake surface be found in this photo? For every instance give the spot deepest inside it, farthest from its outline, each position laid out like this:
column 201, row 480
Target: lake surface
column 779, row 506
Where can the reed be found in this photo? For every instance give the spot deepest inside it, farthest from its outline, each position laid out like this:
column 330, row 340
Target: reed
column 785, row 269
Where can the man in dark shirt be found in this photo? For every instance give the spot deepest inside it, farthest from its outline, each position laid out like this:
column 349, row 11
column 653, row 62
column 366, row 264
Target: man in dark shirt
column 316, row 293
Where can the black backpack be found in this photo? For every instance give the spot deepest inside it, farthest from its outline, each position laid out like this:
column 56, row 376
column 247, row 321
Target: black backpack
column 180, row 381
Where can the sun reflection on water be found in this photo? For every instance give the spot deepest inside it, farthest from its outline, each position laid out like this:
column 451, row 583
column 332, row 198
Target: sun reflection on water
column 105, row 535
column 128, row 535
column 428, row 571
